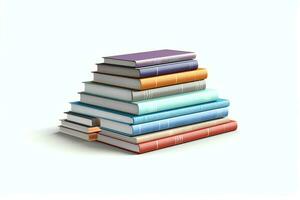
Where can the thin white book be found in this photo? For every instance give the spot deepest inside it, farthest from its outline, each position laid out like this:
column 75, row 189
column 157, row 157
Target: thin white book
column 78, row 134
column 82, row 119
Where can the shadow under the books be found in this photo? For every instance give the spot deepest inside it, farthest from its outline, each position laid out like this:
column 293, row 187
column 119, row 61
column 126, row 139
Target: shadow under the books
column 61, row 142
column 58, row 140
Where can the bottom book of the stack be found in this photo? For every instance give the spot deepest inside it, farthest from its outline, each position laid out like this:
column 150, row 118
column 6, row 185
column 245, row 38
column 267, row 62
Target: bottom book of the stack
column 81, row 131
column 162, row 139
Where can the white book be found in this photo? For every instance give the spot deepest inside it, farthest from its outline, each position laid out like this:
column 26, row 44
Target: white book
column 82, row 119
column 78, row 134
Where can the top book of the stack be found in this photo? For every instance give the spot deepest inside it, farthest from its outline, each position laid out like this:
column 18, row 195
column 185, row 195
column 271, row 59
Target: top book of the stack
column 148, row 58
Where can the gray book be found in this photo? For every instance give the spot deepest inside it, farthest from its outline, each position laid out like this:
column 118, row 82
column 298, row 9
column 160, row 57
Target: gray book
column 125, row 94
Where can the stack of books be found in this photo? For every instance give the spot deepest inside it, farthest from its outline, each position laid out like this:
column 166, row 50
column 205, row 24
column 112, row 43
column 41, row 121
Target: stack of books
column 148, row 101
column 79, row 125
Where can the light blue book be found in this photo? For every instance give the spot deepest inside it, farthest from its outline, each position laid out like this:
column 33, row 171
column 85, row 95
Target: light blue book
column 183, row 120
column 100, row 112
column 219, row 103
column 151, row 105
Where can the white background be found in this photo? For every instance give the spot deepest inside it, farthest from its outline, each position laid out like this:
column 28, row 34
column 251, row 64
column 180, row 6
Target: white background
column 47, row 48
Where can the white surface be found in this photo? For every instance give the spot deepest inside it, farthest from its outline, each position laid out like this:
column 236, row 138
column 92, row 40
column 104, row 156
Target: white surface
column 47, row 48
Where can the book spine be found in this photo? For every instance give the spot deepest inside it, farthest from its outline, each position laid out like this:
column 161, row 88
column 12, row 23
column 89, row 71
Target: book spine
column 93, row 136
column 167, row 59
column 168, row 68
column 181, row 111
column 176, row 101
column 187, row 137
column 179, row 121
column 170, row 90
column 172, row 79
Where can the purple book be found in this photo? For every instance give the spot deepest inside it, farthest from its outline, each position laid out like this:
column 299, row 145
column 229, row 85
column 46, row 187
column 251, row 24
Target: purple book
column 148, row 58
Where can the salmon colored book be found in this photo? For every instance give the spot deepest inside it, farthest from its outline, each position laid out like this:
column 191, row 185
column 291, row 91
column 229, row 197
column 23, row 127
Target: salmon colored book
column 170, row 141
column 165, row 133
column 151, row 82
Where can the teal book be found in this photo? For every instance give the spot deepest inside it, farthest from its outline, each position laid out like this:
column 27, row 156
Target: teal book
column 100, row 112
column 151, row 105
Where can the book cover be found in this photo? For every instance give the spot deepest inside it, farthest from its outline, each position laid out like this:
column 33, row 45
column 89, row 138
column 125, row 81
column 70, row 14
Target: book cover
column 170, row 141
column 149, row 71
column 101, row 112
column 151, row 82
column 152, row 105
column 163, row 124
column 125, row 94
column 147, row 58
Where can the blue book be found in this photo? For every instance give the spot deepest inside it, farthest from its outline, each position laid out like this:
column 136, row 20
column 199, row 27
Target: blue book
column 149, row 71
column 105, row 113
column 183, row 120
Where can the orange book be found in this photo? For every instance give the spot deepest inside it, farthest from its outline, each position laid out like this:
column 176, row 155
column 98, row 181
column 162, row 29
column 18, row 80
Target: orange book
column 173, row 79
column 151, row 82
